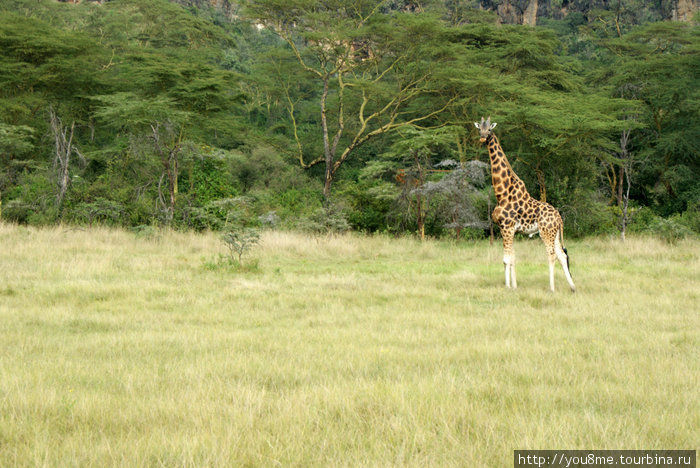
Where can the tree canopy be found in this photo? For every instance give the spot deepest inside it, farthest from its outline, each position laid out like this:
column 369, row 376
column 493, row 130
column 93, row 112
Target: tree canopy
column 137, row 112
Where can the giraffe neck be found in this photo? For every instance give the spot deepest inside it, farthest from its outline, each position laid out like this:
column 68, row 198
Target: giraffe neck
column 503, row 177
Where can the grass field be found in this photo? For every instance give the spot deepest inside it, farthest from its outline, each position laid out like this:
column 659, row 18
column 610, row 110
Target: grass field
column 126, row 350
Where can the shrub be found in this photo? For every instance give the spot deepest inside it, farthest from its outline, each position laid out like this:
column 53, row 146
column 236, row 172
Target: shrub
column 292, row 204
column 239, row 241
column 669, row 230
column 587, row 214
column 32, row 201
column 327, row 220
column 691, row 217
column 269, row 219
column 643, row 220
column 367, row 212
column 217, row 214
column 100, row 210
column 209, row 179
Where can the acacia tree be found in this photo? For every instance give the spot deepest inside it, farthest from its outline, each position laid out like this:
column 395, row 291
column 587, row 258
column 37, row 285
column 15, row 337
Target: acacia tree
column 657, row 65
column 156, row 128
column 366, row 67
column 418, row 173
column 654, row 69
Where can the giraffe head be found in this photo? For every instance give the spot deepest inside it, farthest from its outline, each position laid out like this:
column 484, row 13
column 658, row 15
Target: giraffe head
column 485, row 128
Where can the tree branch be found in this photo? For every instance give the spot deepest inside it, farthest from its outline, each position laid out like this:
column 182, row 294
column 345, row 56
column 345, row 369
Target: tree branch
column 300, row 58
column 361, row 137
column 341, row 116
column 290, row 109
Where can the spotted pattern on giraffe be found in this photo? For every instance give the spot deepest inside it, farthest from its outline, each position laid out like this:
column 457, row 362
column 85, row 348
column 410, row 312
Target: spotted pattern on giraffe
column 517, row 211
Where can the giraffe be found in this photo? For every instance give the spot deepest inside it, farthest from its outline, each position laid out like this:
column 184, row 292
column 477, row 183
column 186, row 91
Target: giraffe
column 517, row 211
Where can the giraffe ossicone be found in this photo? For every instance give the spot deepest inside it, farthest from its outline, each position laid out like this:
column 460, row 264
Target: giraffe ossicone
column 517, row 211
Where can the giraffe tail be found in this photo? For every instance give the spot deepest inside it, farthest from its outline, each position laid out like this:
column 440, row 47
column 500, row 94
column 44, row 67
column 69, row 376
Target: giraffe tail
column 566, row 252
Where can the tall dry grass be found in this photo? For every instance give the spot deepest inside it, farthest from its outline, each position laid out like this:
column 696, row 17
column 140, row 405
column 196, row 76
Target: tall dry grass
column 120, row 350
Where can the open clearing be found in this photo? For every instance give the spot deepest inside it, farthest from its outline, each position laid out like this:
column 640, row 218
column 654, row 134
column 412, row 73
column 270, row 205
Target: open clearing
column 126, row 350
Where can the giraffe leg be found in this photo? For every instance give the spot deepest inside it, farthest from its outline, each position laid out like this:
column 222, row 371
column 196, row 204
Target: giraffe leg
column 552, row 257
column 508, row 256
column 548, row 237
column 507, row 273
column 564, row 260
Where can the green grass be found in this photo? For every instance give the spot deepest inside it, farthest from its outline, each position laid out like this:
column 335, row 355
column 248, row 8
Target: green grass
column 120, row 350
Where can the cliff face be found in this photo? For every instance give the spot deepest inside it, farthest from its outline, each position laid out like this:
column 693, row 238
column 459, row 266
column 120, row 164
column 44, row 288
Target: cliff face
column 530, row 14
column 685, row 10
column 517, row 12
column 529, row 11
column 229, row 8
column 509, row 11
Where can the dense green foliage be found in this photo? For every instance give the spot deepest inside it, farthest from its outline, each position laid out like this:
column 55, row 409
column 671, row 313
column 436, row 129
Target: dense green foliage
column 142, row 112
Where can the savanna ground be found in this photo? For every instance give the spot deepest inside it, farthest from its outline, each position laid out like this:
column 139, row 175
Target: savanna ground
column 119, row 349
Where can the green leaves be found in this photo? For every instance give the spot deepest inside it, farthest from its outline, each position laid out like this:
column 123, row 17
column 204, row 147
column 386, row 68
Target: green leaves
column 130, row 111
column 33, row 41
column 238, row 241
column 15, row 139
column 37, row 57
column 368, row 85
column 658, row 66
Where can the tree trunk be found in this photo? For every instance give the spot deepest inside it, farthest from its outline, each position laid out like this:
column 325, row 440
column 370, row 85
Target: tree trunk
column 620, row 183
column 543, row 187
column 171, row 171
column 62, row 158
column 625, row 175
column 168, row 154
column 327, row 154
column 611, row 175
column 420, row 216
column 327, row 183
column 625, row 213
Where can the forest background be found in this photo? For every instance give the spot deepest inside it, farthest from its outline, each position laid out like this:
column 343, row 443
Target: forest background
column 352, row 114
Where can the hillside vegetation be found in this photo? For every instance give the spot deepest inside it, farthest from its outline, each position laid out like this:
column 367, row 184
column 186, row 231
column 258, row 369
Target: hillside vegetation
column 150, row 113
column 125, row 349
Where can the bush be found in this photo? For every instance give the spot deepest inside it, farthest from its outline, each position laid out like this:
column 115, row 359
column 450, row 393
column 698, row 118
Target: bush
column 101, row 210
column 17, row 211
column 32, row 201
column 367, row 212
column 217, row 214
column 642, row 220
column 691, row 217
column 669, row 230
column 292, row 204
column 208, row 179
column 588, row 215
column 239, row 241
column 327, row 220
column 264, row 168
column 269, row 219
column 141, row 211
